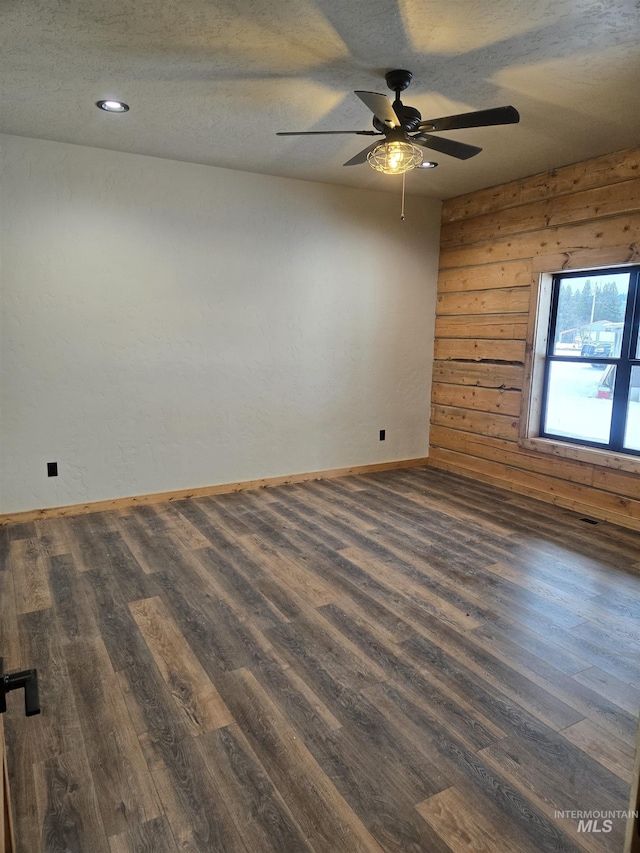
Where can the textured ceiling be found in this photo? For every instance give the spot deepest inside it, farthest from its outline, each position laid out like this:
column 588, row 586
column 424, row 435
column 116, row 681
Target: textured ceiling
column 211, row 82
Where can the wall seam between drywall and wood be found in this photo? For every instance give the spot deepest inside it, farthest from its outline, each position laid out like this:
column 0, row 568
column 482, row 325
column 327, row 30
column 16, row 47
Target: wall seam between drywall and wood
column 494, row 246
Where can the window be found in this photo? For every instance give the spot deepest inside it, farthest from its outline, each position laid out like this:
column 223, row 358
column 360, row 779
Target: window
column 591, row 387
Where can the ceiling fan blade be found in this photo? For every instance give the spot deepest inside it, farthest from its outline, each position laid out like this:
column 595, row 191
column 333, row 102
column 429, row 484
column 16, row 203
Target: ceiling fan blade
column 361, row 157
column 447, row 146
column 481, row 118
column 328, row 132
column 381, row 107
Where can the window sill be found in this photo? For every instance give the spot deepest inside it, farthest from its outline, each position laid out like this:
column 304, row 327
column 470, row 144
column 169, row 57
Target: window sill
column 605, row 458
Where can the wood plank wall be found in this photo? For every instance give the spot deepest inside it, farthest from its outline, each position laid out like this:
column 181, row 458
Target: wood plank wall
column 494, row 245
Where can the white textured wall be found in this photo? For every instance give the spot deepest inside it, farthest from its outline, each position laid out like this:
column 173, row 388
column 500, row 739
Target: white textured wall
column 167, row 325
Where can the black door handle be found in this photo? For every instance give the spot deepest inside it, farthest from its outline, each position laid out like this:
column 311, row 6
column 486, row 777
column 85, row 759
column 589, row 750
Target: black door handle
column 28, row 679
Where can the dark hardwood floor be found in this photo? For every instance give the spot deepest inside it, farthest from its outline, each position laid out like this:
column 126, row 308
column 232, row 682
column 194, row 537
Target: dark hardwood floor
column 405, row 661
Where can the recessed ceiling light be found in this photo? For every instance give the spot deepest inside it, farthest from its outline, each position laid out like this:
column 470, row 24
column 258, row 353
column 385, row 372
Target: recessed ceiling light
column 113, row 106
column 427, row 164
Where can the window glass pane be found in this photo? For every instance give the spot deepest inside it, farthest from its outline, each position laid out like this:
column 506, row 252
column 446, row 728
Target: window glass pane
column 632, row 431
column 590, row 315
column 579, row 401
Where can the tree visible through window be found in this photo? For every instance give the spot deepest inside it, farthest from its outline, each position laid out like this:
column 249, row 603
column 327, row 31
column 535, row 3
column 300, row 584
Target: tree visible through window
column 592, row 374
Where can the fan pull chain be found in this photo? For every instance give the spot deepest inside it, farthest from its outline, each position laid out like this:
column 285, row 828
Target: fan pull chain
column 404, row 175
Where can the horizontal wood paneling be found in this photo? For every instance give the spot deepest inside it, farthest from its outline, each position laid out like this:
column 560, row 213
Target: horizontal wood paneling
column 483, row 399
column 511, row 453
column 614, row 231
column 585, row 257
column 507, row 300
column 598, row 172
column 494, row 245
column 508, row 376
column 503, row 426
column 508, row 452
column 479, row 350
column 485, row 277
column 579, row 207
column 497, row 326
column 555, row 488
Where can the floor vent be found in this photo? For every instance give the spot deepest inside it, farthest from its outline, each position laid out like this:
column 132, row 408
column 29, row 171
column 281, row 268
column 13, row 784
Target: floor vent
column 589, row 521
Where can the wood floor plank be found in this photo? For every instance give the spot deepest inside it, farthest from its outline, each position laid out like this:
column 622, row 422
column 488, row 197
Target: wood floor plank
column 466, row 578
column 4, row 547
column 529, row 580
column 74, row 617
column 87, row 551
column 141, row 544
column 317, row 806
column 530, row 760
column 67, row 805
column 348, row 575
column 56, row 730
column 52, row 536
column 323, row 660
column 30, row 575
column 22, row 757
column 433, row 604
column 306, row 584
column 154, row 836
column 624, row 695
column 228, row 575
column 189, row 684
column 9, row 638
column 180, row 527
column 532, row 786
column 111, row 613
column 22, row 530
column 470, row 725
column 449, row 577
column 126, row 793
column 150, row 704
column 232, row 572
column 497, row 675
column 465, row 828
column 530, row 829
column 613, row 753
column 582, row 699
column 315, row 497
column 198, row 818
column 221, row 638
column 294, row 696
column 259, row 812
column 509, row 638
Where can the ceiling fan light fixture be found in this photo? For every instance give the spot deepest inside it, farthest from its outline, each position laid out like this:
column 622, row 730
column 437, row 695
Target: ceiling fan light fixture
column 395, row 158
column 111, row 106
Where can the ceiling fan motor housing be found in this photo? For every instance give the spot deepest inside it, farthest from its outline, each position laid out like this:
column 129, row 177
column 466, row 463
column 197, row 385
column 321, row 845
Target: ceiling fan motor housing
column 409, row 118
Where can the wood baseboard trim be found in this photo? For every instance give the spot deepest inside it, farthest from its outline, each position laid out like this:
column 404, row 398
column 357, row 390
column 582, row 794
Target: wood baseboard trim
column 204, row 491
column 566, row 503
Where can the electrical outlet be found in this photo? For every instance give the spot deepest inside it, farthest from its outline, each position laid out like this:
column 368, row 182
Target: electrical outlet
column 52, row 469
column 382, row 434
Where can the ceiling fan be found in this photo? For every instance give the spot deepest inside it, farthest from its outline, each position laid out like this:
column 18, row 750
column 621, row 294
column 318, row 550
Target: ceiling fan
column 406, row 134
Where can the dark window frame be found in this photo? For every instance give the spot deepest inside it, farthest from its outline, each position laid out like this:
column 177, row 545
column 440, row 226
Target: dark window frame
column 624, row 363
